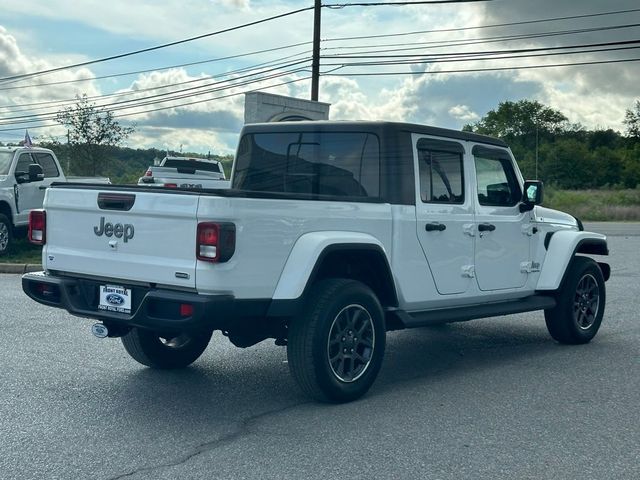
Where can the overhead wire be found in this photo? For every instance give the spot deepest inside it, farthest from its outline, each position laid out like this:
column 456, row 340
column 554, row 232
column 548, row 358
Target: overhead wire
column 479, row 27
column 478, row 41
column 175, row 106
column 259, row 68
column 156, row 47
column 149, row 100
column 158, row 69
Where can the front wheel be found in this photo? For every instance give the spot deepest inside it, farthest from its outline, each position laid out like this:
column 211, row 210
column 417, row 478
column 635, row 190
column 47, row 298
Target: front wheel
column 578, row 313
column 336, row 346
column 165, row 351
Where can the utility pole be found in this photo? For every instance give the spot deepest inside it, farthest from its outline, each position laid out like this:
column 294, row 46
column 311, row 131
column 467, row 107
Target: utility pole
column 315, row 67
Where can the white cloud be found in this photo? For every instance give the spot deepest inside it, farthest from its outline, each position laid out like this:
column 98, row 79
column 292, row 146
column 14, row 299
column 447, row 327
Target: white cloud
column 464, row 113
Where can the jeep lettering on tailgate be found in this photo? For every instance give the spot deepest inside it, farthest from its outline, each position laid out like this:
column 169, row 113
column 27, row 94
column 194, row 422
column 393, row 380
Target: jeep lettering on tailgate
column 118, row 230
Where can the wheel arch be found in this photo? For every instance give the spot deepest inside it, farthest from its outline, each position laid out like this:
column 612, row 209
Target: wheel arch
column 5, row 209
column 320, row 255
column 562, row 247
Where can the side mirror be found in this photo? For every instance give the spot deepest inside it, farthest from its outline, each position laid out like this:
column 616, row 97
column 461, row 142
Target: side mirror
column 35, row 173
column 532, row 195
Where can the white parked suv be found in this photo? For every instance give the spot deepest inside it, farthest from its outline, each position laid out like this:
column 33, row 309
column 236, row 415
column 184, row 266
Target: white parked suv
column 331, row 235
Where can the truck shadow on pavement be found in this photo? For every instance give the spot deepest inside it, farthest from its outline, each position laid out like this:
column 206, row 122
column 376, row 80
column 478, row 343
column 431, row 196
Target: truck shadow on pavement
column 232, row 380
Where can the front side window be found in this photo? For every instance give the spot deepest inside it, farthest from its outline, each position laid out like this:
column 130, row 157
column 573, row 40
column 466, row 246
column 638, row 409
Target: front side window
column 497, row 181
column 23, row 163
column 315, row 163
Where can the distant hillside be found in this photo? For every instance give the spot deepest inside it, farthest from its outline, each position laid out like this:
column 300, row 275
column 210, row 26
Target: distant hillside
column 125, row 165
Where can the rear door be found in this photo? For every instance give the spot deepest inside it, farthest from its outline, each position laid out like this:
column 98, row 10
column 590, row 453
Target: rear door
column 118, row 234
column 444, row 213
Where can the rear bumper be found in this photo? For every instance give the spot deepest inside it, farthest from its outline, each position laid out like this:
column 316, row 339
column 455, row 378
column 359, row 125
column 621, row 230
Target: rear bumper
column 155, row 309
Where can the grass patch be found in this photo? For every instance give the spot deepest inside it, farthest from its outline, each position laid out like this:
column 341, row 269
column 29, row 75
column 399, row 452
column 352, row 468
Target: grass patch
column 596, row 205
column 21, row 251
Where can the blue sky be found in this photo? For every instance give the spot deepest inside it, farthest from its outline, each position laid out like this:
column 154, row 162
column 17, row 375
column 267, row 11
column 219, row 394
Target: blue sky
column 36, row 35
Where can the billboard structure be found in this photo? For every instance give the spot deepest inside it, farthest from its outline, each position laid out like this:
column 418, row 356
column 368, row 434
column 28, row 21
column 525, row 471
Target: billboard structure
column 267, row 107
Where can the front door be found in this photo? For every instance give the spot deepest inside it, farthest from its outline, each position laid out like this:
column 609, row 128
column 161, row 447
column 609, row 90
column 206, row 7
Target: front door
column 30, row 195
column 502, row 236
column 444, row 213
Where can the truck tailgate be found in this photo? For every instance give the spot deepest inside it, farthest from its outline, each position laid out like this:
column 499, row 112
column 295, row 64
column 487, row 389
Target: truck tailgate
column 140, row 236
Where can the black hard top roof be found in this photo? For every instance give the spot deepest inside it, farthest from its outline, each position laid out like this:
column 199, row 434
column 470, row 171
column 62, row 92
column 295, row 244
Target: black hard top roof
column 346, row 126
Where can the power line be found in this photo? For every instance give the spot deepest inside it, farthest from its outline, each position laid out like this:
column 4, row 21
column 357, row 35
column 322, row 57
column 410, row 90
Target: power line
column 498, row 52
column 481, row 40
column 157, row 47
column 475, row 59
column 478, row 27
column 162, row 98
column 159, row 69
column 471, row 70
column 33, row 127
column 338, row 6
column 280, row 63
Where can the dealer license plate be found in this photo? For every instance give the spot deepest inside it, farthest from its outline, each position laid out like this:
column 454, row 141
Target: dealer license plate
column 115, row 299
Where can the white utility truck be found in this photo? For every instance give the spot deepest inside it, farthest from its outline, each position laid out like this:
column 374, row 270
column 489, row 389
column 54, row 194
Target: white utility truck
column 331, row 235
column 25, row 173
column 185, row 172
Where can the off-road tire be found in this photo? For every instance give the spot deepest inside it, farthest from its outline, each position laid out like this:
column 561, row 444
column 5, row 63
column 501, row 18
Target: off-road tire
column 336, row 345
column 165, row 352
column 580, row 304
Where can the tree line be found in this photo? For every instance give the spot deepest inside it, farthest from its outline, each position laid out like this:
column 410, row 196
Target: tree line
column 568, row 155
column 547, row 146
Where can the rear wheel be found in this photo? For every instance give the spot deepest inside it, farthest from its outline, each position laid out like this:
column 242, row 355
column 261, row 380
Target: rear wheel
column 578, row 313
column 6, row 234
column 163, row 350
column 336, row 346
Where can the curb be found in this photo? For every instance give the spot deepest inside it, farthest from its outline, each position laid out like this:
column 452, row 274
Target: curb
column 19, row 268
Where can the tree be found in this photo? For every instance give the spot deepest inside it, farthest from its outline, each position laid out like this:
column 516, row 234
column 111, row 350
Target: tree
column 518, row 119
column 632, row 121
column 91, row 129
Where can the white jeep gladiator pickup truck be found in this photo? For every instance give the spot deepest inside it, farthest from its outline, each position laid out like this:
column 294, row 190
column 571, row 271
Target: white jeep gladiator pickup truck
column 25, row 173
column 331, row 235
column 184, row 172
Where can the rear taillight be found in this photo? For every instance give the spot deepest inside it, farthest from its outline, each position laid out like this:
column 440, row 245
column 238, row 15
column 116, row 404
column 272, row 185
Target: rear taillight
column 215, row 242
column 171, row 185
column 38, row 227
column 148, row 173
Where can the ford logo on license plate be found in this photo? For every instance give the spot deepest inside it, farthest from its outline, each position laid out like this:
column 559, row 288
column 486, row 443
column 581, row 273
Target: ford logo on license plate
column 114, row 299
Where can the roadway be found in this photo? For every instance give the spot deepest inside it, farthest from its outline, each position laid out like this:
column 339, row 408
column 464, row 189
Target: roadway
column 490, row 399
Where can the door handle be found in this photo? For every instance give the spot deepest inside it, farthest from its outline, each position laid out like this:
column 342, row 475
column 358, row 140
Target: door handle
column 435, row 226
column 486, row 227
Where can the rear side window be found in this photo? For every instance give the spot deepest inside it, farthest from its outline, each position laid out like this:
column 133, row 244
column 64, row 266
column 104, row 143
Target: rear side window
column 497, row 182
column 48, row 164
column 316, row 163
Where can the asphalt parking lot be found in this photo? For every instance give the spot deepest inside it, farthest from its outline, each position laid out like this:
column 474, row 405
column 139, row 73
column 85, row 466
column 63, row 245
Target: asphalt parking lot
column 493, row 398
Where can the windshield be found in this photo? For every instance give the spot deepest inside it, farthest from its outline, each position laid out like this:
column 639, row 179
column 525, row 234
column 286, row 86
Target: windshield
column 5, row 162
